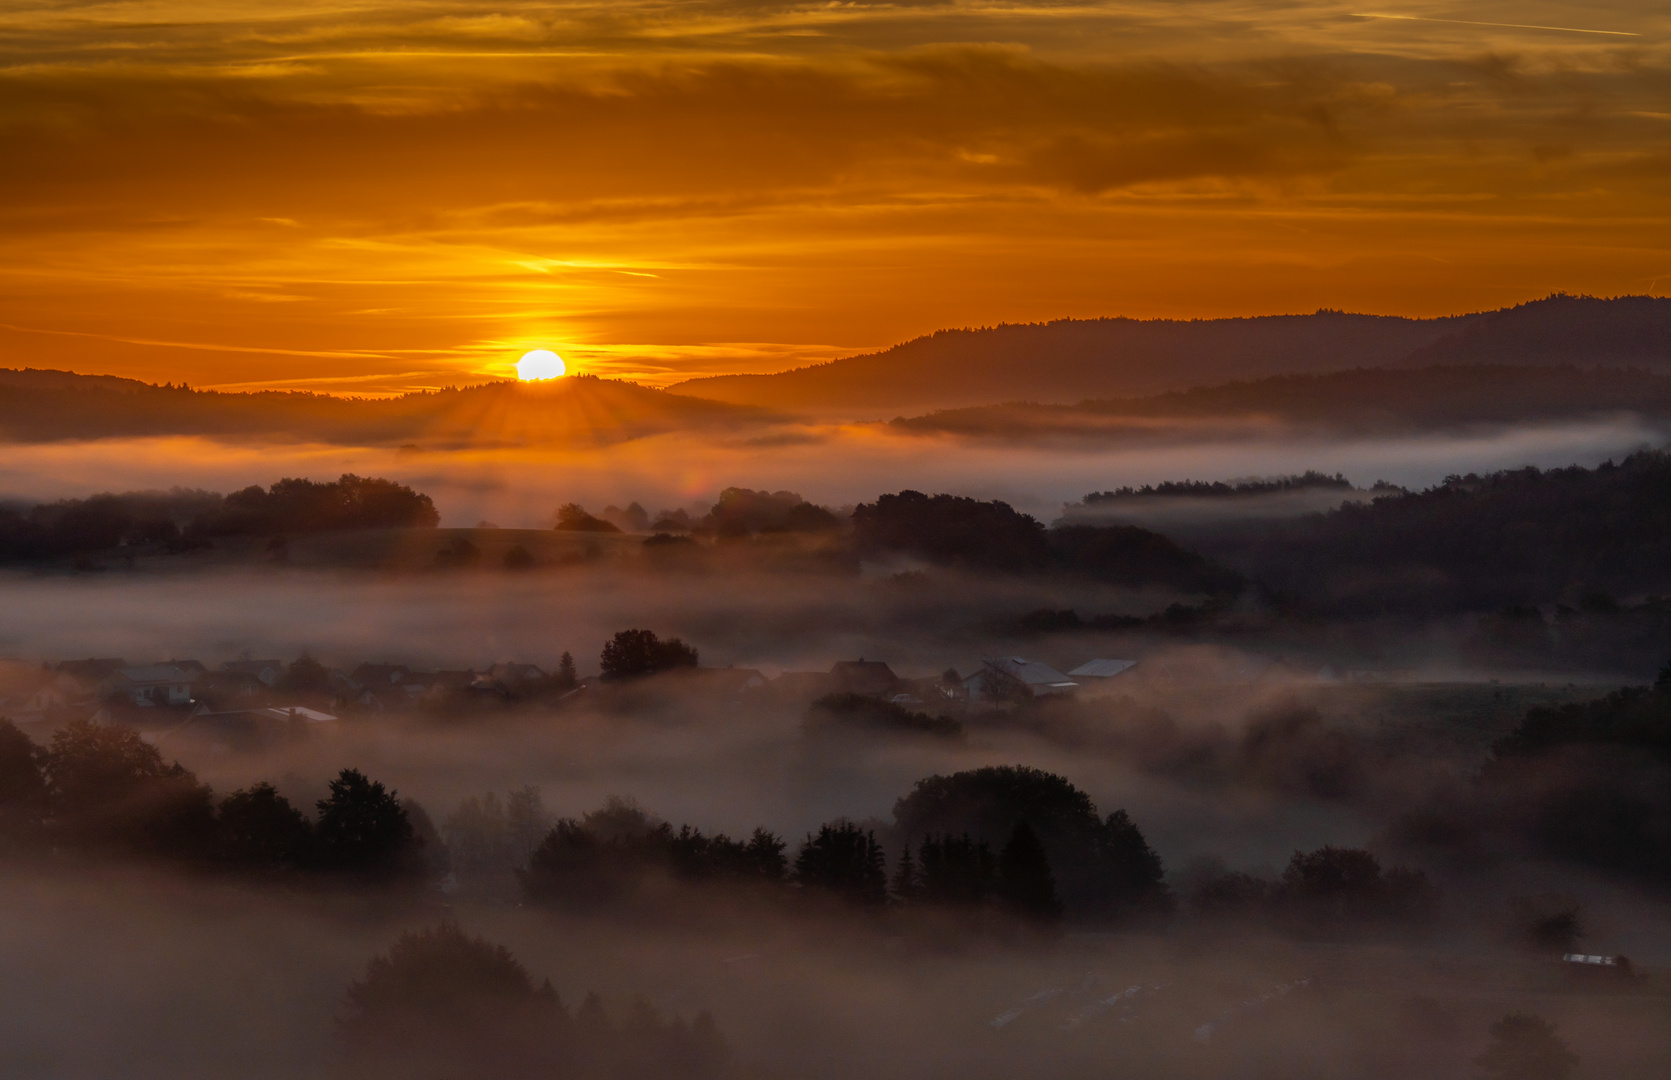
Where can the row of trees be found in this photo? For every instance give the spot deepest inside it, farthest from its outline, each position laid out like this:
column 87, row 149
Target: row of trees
column 951, row 530
column 1331, row 889
column 1008, row 839
column 181, row 519
column 105, row 790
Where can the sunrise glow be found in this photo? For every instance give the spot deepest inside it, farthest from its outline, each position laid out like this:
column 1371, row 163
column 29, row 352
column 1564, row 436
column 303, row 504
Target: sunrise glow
column 538, row 365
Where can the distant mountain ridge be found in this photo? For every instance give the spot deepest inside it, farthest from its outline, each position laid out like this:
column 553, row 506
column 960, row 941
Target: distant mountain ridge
column 1072, row 360
column 46, row 406
column 1364, row 401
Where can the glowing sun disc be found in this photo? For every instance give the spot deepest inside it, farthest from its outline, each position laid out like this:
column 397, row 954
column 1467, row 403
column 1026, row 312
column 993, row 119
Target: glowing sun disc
column 540, row 364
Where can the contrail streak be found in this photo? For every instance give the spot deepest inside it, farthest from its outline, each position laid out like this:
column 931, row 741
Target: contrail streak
column 1509, row 26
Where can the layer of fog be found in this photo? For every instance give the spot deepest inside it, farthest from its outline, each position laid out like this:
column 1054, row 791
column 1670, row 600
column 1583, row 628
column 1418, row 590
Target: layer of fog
column 833, row 466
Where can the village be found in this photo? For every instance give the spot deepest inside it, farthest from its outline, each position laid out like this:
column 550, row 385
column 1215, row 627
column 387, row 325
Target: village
column 236, row 699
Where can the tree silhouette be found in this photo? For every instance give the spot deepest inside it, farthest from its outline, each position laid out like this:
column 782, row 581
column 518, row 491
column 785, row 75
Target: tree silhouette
column 566, row 677
column 906, row 882
column 259, row 828
column 1026, row 887
column 442, row 1004
column 1525, row 1047
column 957, row 871
column 364, row 830
column 845, row 860
column 305, row 675
column 633, row 653
column 106, row 786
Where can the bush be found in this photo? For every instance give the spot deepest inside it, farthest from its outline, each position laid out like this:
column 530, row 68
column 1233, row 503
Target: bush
column 572, row 517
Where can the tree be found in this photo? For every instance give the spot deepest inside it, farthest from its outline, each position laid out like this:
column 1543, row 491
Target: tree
column 566, row 677
column 846, row 861
column 1103, row 868
column 634, row 653
column 1525, row 1047
column 305, row 675
column 1026, row 887
column 259, row 828
column 1135, row 870
column 906, row 882
column 1343, row 884
column 519, row 558
column 108, row 787
column 22, row 787
column 363, row 830
column 956, row 871
column 950, row 530
column 443, row 1004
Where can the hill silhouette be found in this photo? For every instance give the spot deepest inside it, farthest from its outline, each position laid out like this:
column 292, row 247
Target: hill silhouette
column 1626, row 331
column 45, row 406
column 1364, row 401
column 1073, row 360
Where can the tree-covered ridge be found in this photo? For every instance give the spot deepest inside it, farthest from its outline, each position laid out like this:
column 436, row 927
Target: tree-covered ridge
column 42, row 406
column 180, row 519
column 1473, row 542
column 1215, row 489
column 1385, row 401
column 951, row 530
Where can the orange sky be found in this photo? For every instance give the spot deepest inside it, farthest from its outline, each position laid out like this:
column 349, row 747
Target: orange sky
column 386, row 195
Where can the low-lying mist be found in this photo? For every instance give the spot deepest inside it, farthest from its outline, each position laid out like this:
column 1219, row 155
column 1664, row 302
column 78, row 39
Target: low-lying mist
column 835, row 466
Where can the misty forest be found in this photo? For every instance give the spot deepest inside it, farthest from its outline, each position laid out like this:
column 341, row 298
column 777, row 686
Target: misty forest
column 1317, row 771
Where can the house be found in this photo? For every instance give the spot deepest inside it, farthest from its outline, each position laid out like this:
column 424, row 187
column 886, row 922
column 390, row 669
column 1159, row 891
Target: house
column 268, row 672
column 872, row 678
column 153, row 684
column 1101, row 670
column 251, row 729
column 1032, row 677
column 515, row 675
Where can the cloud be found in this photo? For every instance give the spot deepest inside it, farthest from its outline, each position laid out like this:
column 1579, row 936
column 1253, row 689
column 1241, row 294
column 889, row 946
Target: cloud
column 811, row 176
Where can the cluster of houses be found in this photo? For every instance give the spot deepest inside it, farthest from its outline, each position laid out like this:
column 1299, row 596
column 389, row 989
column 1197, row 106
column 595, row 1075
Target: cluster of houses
column 173, row 692
column 997, row 679
column 241, row 699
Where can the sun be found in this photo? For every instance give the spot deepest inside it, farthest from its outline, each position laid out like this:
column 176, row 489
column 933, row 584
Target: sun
column 540, row 364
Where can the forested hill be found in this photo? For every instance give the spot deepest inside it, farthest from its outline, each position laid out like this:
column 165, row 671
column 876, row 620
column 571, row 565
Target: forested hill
column 1630, row 331
column 1521, row 537
column 44, row 406
column 1073, row 360
column 1380, row 401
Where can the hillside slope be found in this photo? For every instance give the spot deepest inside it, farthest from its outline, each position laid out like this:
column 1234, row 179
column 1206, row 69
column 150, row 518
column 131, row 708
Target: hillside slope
column 1627, row 331
column 1075, row 360
column 1364, row 401
column 37, row 406
column 1071, row 360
